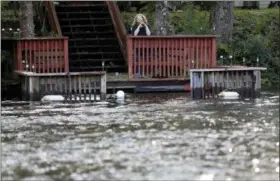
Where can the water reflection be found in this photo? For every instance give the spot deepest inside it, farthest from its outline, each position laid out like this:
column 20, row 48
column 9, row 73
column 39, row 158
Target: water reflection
column 149, row 137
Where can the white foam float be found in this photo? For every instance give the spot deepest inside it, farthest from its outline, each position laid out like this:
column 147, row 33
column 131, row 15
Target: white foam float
column 52, row 98
column 228, row 95
column 120, row 96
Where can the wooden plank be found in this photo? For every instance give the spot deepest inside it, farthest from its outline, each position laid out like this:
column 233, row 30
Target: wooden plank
column 159, row 47
column 84, row 82
column 94, row 89
column 103, row 88
column 168, row 58
column 54, row 69
column 185, row 58
column 80, row 87
column 27, row 73
column 89, row 88
column 74, row 78
column 172, row 58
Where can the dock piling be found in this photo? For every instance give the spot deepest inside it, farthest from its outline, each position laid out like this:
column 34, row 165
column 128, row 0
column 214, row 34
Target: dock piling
column 208, row 83
column 36, row 85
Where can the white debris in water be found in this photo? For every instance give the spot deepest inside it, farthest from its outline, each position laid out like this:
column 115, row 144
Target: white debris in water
column 276, row 160
column 257, row 170
column 228, row 179
column 255, row 161
column 154, row 142
column 230, row 150
column 120, row 94
column 277, row 144
column 228, row 95
column 209, row 176
column 212, row 121
column 274, row 97
column 277, row 169
column 52, row 98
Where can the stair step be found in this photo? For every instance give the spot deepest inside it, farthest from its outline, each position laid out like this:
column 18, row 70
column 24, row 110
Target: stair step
column 88, row 25
column 86, row 36
column 91, row 39
column 88, row 32
column 88, row 28
column 83, row 12
column 98, row 68
column 93, row 21
column 84, row 19
column 81, row 5
column 83, row 15
column 100, row 60
column 82, row 9
column 92, row 53
column 96, row 49
column 81, row 43
column 96, row 57
column 95, row 46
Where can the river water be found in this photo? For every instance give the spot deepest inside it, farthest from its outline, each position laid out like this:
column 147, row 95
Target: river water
column 151, row 137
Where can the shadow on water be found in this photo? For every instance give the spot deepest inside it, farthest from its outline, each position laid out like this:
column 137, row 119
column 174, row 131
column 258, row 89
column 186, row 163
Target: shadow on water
column 150, row 136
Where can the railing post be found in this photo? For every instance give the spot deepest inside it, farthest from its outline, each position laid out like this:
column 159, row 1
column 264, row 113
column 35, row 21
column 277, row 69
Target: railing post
column 103, row 87
column 129, row 55
column 213, row 61
column 19, row 56
column 66, row 55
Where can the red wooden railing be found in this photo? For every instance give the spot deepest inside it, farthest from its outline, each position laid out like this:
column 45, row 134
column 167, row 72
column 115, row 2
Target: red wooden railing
column 118, row 25
column 42, row 55
column 169, row 56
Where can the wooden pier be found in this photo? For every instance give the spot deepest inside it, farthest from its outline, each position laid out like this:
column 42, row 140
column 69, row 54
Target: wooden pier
column 208, row 83
column 73, row 86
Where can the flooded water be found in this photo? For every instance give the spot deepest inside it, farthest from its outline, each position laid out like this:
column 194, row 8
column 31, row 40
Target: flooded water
column 151, row 137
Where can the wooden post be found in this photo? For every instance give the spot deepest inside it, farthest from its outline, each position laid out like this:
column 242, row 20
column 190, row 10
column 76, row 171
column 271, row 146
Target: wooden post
column 202, row 85
column 197, row 81
column 257, row 75
column 33, row 88
column 129, row 56
column 191, row 83
column 103, row 87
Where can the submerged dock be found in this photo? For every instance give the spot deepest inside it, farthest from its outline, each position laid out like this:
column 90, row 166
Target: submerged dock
column 73, row 86
column 208, row 83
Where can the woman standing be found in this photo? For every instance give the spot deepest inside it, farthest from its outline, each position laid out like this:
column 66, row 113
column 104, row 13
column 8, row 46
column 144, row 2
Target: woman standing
column 140, row 26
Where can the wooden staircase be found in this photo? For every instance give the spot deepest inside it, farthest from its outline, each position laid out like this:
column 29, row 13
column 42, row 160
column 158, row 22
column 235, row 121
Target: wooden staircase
column 93, row 42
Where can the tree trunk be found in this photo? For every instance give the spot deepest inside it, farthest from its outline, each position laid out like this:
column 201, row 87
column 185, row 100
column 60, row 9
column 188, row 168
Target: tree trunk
column 161, row 21
column 222, row 19
column 26, row 19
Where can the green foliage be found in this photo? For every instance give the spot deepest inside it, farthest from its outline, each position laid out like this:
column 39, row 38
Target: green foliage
column 256, row 34
column 9, row 11
column 190, row 21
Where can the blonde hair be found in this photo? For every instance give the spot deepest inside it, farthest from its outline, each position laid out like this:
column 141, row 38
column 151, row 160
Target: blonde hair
column 140, row 16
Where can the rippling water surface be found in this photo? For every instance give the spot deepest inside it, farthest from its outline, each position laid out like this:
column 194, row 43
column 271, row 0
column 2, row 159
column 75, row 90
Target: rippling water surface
column 151, row 137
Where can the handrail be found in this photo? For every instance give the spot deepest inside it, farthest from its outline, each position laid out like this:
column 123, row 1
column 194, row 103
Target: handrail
column 52, row 17
column 42, row 55
column 169, row 56
column 118, row 26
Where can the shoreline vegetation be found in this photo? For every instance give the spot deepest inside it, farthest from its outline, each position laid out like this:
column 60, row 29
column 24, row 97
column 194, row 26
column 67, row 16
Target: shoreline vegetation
column 255, row 36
